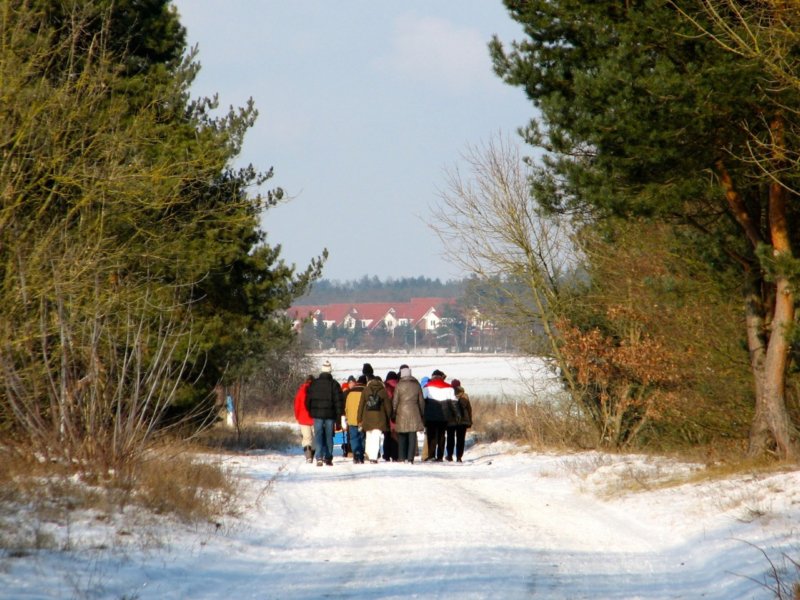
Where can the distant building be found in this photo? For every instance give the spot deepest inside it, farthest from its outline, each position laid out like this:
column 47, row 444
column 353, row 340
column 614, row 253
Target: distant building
column 418, row 313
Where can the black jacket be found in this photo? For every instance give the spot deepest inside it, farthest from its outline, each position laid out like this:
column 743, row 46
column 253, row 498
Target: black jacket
column 324, row 398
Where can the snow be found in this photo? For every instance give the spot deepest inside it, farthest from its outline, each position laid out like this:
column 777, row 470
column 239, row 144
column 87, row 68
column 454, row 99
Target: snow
column 497, row 376
column 506, row 523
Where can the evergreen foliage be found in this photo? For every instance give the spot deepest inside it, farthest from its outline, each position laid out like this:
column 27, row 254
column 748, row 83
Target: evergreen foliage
column 645, row 112
column 374, row 289
column 134, row 273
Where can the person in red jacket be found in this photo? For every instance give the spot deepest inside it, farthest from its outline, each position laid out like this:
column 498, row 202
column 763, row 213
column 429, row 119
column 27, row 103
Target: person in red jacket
column 304, row 419
column 390, row 439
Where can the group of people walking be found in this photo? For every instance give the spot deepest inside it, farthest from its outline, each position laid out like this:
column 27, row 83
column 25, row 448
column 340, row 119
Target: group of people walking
column 395, row 409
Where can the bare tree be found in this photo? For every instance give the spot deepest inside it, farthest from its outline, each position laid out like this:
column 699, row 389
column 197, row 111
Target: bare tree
column 490, row 227
column 533, row 269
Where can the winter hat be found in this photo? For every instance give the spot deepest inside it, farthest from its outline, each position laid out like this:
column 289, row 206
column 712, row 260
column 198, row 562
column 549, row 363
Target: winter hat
column 403, row 366
column 438, row 373
column 367, row 370
column 327, row 367
column 455, row 383
column 350, row 378
column 362, row 379
column 391, row 375
column 405, row 372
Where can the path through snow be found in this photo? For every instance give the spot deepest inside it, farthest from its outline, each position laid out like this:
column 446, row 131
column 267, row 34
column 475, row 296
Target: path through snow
column 504, row 524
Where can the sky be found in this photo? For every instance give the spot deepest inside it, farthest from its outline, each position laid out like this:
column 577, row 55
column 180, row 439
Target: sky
column 363, row 107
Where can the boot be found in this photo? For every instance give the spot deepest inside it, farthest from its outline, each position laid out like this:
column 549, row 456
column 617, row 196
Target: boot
column 309, row 453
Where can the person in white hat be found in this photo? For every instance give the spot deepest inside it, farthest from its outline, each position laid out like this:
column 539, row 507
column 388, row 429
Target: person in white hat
column 324, row 403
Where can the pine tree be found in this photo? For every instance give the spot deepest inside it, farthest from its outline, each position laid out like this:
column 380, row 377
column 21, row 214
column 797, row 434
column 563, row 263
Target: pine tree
column 642, row 113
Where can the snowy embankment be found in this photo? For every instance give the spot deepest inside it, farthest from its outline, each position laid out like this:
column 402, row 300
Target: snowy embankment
column 504, row 524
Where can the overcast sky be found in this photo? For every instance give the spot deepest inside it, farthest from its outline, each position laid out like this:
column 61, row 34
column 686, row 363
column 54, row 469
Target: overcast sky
column 362, row 106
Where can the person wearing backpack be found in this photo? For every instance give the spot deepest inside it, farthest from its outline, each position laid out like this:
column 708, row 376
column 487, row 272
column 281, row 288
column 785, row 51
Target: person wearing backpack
column 351, row 403
column 324, row 403
column 374, row 412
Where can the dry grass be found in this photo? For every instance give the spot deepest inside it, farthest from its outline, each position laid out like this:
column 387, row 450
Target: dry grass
column 33, row 493
column 181, row 484
column 538, row 425
column 739, row 465
column 169, row 480
column 250, row 435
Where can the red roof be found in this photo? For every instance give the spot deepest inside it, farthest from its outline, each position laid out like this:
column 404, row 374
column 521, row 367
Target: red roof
column 416, row 308
column 335, row 312
column 373, row 311
column 323, row 312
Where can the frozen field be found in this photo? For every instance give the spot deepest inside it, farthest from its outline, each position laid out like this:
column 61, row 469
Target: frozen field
column 505, row 377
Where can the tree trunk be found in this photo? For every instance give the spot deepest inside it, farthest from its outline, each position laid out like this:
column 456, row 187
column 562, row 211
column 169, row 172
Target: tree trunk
column 771, row 429
column 771, row 407
column 768, row 322
column 756, row 345
column 773, row 403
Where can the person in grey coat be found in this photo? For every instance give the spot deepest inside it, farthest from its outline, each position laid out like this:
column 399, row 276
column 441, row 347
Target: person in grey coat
column 408, row 408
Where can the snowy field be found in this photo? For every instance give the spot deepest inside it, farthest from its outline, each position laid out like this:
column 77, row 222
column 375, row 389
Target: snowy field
column 505, row 524
column 503, row 377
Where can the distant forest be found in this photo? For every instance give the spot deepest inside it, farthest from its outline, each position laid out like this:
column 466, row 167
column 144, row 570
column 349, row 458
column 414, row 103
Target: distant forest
column 373, row 289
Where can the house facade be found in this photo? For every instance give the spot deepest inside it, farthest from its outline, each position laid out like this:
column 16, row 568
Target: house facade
column 418, row 313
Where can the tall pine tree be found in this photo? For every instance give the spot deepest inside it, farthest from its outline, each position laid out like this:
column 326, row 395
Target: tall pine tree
column 643, row 113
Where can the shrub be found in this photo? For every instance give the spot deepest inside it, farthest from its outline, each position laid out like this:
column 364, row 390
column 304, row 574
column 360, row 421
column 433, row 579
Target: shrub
column 168, row 479
column 540, row 424
column 183, row 485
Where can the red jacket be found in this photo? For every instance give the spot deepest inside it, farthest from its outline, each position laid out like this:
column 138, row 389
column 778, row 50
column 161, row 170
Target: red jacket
column 300, row 410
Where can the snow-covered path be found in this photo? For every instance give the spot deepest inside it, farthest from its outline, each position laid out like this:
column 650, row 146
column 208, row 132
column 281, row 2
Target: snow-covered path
column 501, row 525
column 504, row 524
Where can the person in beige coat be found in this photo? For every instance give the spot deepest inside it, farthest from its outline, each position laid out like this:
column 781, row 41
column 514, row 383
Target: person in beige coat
column 408, row 408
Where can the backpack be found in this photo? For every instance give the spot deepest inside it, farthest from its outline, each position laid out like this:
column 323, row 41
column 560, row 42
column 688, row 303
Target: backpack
column 374, row 402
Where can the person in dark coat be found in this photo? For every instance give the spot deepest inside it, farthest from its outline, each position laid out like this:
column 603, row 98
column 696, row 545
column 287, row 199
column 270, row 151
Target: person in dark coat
column 453, row 414
column 408, row 408
column 324, row 403
column 463, row 423
column 440, row 398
